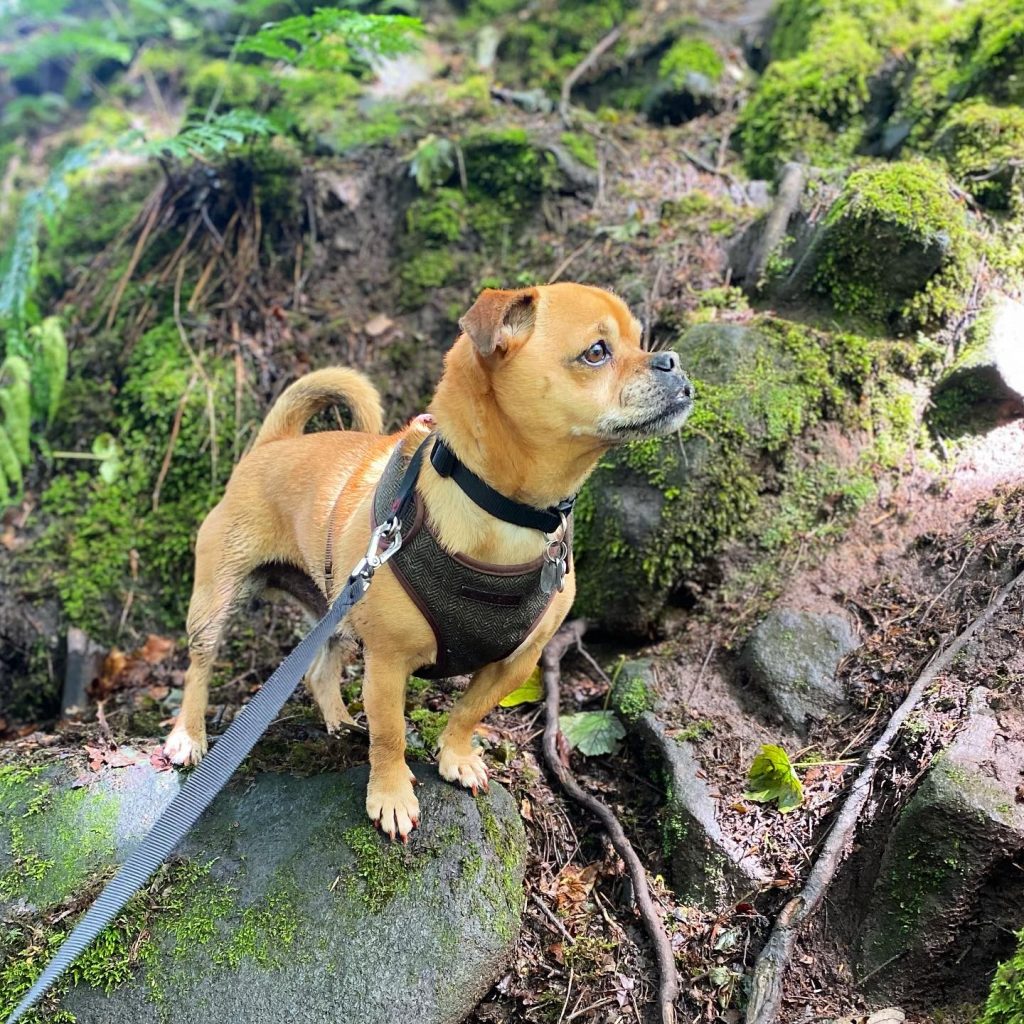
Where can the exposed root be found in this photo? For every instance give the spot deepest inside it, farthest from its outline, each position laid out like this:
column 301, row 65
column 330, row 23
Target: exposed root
column 570, row 635
column 769, row 971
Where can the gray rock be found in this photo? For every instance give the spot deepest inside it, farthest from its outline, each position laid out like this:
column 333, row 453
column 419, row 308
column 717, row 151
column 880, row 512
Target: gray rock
column 285, row 904
column 948, row 890
column 707, row 867
column 793, row 657
column 987, row 380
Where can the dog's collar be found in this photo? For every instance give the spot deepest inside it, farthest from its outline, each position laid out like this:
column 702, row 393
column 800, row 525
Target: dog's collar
column 547, row 520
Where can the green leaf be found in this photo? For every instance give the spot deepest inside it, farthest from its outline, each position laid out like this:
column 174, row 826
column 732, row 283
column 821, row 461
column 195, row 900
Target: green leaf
column 433, row 162
column 109, row 452
column 10, row 466
column 529, row 692
column 16, row 404
column 50, row 355
column 592, row 732
column 210, row 138
column 772, row 777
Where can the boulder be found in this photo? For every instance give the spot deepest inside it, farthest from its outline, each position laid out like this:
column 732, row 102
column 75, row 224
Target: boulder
column 793, row 657
column 986, row 383
column 655, row 515
column 949, row 890
column 285, row 904
column 707, row 867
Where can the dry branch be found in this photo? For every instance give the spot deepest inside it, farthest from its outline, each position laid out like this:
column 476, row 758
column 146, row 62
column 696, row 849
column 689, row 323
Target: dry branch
column 570, row 635
column 769, row 971
column 603, row 44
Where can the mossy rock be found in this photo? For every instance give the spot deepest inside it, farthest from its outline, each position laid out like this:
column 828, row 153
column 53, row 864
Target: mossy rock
column 946, row 887
column 896, row 246
column 284, row 896
column 691, row 82
column 657, row 513
column 982, row 145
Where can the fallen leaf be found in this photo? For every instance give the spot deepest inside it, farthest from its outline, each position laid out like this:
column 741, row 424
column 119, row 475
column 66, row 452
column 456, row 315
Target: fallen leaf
column 530, row 691
column 160, row 761
column 155, row 649
column 158, row 692
column 378, row 325
column 526, row 810
column 573, row 886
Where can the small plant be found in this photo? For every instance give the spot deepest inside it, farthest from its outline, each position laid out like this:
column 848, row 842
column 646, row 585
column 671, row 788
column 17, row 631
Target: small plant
column 772, row 777
column 592, row 732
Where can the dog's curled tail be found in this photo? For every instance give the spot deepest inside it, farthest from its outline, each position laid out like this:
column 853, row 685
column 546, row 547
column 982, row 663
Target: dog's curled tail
column 319, row 390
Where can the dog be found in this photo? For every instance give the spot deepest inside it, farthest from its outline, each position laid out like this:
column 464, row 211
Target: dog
column 539, row 384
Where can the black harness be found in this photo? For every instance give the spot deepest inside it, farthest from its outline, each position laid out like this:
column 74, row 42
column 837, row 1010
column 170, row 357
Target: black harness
column 479, row 613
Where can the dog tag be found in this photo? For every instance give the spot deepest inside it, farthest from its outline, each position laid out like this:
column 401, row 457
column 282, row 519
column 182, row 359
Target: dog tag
column 552, row 573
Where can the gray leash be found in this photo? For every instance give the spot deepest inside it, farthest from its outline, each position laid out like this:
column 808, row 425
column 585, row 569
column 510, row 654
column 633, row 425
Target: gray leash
column 214, row 770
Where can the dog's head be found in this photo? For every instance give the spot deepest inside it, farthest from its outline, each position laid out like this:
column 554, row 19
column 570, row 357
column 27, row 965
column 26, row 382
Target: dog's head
column 566, row 361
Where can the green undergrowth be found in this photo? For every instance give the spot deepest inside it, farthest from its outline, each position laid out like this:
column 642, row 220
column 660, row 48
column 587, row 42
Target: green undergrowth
column 1005, row 1004
column 506, row 174
column 107, row 539
column 834, row 87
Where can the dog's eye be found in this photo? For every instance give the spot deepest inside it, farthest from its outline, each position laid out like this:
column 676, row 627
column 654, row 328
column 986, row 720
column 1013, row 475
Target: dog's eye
column 597, row 354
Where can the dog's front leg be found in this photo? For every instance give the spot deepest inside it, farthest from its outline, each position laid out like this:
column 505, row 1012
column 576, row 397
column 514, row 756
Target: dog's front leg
column 458, row 760
column 390, row 801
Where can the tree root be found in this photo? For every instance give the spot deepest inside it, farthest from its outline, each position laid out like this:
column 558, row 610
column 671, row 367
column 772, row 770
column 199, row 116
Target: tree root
column 769, row 970
column 569, row 636
column 603, row 44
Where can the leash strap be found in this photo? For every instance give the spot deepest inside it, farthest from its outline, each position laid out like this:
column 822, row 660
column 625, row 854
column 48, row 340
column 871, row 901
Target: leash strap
column 547, row 520
column 213, row 772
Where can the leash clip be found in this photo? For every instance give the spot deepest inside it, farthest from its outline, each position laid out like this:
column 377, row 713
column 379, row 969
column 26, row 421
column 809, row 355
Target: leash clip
column 387, row 536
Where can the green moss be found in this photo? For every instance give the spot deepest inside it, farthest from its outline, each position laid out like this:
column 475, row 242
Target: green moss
column 437, row 218
column 696, row 731
column 982, row 146
column 98, row 529
column 632, row 698
column 807, row 107
column 226, row 84
column 886, row 217
column 429, row 724
column 55, row 839
column 382, row 869
column 1005, row 1003
column 690, row 56
column 422, row 273
column 266, row 933
column 582, row 147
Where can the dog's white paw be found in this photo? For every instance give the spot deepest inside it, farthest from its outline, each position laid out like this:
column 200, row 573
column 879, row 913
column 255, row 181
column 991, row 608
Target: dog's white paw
column 182, row 748
column 468, row 770
column 393, row 808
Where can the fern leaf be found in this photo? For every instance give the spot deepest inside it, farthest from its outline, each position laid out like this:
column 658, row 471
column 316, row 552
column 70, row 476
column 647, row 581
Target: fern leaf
column 50, row 366
column 208, row 138
column 14, row 404
column 89, row 39
column 10, row 468
column 323, row 40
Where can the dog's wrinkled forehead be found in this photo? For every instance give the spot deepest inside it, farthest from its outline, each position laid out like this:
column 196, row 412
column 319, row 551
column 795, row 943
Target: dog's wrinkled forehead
column 580, row 311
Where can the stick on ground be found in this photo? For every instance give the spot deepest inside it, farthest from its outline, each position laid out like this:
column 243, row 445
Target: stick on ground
column 769, row 971
column 581, row 69
column 567, row 637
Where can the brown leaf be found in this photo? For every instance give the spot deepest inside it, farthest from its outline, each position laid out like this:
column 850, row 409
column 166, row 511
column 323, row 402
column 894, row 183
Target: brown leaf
column 526, row 810
column 380, row 324
column 160, row 761
column 574, row 885
column 158, row 692
column 155, row 649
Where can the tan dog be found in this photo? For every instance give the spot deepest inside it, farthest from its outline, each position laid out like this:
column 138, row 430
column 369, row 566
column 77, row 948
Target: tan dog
column 540, row 384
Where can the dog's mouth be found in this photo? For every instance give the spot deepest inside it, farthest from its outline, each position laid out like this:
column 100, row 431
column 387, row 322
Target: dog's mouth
column 668, row 419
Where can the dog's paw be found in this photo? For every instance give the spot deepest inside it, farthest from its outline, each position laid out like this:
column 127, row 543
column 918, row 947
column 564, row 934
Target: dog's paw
column 341, row 721
column 182, row 748
column 393, row 808
column 468, row 770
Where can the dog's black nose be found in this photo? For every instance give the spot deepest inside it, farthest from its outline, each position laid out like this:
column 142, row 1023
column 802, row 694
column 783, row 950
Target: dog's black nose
column 667, row 361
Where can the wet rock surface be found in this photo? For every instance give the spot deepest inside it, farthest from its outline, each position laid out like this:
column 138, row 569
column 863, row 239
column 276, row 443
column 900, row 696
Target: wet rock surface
column 295, row 908
column 793, row 657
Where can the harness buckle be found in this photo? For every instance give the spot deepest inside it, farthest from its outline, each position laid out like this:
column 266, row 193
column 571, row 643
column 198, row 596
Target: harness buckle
column 385, row 542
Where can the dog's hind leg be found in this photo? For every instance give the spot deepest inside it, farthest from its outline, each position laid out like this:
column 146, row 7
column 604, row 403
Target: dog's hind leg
column 324, row 682
column 219, row 585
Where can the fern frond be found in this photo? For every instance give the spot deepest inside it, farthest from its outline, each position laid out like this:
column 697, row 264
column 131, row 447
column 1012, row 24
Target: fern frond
column 330, row 38
column 201, row 139
column 89, row 39
column 50, row 366
column 10, row 468
column 16, row 404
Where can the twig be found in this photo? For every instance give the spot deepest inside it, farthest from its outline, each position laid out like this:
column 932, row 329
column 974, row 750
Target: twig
column 769, row 971
column 175, row 428
column 569, row 636
column 603, row 44
column 101, row 721
column 563, row 266
column 549, row 914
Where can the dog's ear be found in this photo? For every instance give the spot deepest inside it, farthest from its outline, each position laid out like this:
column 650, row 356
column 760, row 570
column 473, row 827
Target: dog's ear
column 498, row 316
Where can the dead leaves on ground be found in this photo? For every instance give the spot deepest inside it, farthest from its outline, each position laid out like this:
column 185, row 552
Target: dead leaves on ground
column 123, row 671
